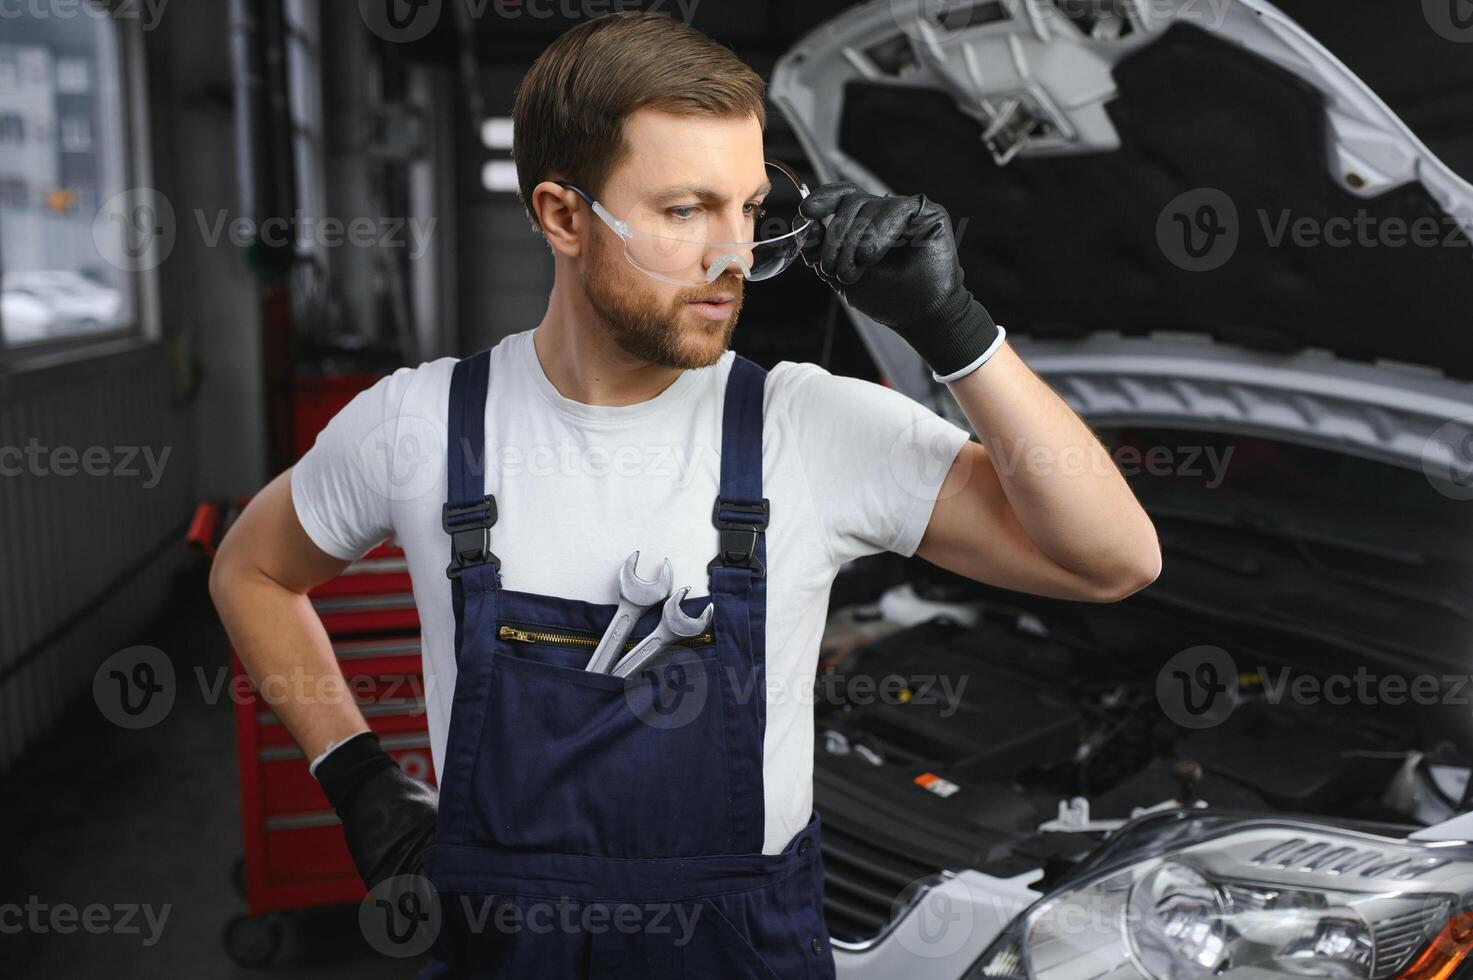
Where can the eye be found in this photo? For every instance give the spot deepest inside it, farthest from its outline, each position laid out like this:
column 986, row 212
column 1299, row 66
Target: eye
column 683, row 213
column 756, row 210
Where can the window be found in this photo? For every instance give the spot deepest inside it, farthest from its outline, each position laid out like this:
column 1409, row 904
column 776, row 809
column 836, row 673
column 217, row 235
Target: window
column 14, row 191
column 73, row 75
column 63, row 157
column 76, row 134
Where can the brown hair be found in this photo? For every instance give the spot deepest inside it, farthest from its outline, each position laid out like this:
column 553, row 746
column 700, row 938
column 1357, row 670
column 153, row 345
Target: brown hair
column 570, row 108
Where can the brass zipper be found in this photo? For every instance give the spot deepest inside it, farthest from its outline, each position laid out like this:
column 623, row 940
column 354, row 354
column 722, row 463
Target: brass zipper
column 528, row 636
column 580, row 639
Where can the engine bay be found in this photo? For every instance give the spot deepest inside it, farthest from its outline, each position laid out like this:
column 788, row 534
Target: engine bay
column 1007, row 742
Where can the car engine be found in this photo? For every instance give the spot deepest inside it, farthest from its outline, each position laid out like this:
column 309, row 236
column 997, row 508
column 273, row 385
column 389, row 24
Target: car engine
column 1013, row 743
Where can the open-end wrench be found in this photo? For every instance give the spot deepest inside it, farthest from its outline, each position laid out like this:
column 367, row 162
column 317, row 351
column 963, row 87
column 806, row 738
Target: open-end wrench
column 635, row 596
column 674, row 625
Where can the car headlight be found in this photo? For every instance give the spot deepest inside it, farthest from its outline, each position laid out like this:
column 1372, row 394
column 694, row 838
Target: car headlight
column 1184, row 898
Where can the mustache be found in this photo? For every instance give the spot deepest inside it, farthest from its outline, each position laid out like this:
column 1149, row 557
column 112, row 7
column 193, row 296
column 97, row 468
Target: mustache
column 733, row 284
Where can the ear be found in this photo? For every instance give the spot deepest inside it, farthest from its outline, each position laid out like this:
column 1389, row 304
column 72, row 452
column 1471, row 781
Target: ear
column 562, row 215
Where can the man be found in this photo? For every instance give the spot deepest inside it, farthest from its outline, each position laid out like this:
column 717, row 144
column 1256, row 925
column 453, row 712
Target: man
column 623, row 423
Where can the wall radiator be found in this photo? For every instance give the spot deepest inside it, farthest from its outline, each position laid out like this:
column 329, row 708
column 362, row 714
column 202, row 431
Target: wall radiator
column 86, row 557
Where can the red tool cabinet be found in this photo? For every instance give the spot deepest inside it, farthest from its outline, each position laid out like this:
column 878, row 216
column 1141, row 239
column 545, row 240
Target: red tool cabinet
column 294, row 855
column 372, row 596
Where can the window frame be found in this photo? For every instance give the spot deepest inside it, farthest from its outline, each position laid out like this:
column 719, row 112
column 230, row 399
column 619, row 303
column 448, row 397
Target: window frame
column 136, row 168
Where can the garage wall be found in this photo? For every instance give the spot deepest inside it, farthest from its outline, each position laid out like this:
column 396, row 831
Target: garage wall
column 86, row 560
column 505, row 268
column 209, row 297
column 86, row 553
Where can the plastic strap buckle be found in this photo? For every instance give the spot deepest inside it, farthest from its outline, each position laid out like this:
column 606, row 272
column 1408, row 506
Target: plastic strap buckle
column 739, row 525
column 469, row 526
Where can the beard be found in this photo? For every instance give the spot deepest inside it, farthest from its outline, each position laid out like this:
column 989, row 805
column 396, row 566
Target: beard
column 654, row 330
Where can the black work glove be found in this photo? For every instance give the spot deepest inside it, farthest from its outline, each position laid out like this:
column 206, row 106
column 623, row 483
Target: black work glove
column 894, row 259
column 388, row 816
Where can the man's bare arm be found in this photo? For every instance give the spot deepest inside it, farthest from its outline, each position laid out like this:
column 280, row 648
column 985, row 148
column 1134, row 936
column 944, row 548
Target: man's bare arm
column 1039, row 506
column 259, row 582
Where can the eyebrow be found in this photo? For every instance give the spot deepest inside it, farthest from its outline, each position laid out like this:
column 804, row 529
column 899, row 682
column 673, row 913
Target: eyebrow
column 702, row 193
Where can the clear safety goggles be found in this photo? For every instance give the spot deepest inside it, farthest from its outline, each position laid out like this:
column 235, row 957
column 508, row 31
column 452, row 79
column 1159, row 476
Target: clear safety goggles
column 694, row 249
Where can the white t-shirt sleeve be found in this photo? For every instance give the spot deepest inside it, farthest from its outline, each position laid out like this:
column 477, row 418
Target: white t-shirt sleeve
column 342, row 486
column 874, row 459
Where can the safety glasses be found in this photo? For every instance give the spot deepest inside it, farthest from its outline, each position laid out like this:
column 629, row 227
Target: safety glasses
column 686, row 245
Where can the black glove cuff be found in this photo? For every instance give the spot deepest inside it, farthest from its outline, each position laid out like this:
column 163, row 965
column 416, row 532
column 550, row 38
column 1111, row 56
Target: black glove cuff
column 951, row 334
column 350, row 765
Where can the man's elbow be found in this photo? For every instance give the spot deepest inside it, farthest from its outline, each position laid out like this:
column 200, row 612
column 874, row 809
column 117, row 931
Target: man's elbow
column 224, row 574
column 1128, row 577
column 232, row 567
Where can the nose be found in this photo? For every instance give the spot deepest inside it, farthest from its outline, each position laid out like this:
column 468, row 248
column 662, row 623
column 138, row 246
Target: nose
column 727, row 259
column 729, row 233
column 725, row 239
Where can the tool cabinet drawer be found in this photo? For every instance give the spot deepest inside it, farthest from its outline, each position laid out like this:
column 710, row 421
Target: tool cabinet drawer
column 287, row 786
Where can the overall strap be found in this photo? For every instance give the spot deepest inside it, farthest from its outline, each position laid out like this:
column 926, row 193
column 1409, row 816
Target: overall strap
column 469, row 511
column 475, row 583
column 737, row 579
column 740, row 512
column 466, row 429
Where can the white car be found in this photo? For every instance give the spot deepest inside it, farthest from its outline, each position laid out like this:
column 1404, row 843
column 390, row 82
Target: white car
column 77, row 303
column 24, row 318
column 1253, row 280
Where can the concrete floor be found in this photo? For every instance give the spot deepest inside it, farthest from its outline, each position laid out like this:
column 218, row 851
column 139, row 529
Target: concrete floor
column 95, row 815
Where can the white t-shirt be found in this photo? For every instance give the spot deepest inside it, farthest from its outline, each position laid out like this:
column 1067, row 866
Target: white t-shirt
column 851, row 468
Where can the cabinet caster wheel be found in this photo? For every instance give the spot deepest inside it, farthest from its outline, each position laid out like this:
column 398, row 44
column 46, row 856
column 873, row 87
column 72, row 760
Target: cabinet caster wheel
column 252, row 941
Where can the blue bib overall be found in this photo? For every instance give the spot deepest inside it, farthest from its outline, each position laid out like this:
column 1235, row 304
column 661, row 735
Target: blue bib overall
column 596, row 827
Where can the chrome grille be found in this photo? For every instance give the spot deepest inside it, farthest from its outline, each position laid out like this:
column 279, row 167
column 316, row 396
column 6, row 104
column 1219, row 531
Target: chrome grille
column 861, row 884
column 1298, row 854
column 1400, row 937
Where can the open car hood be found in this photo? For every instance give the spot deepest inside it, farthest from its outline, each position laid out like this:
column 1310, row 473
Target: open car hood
column 1126, row 180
